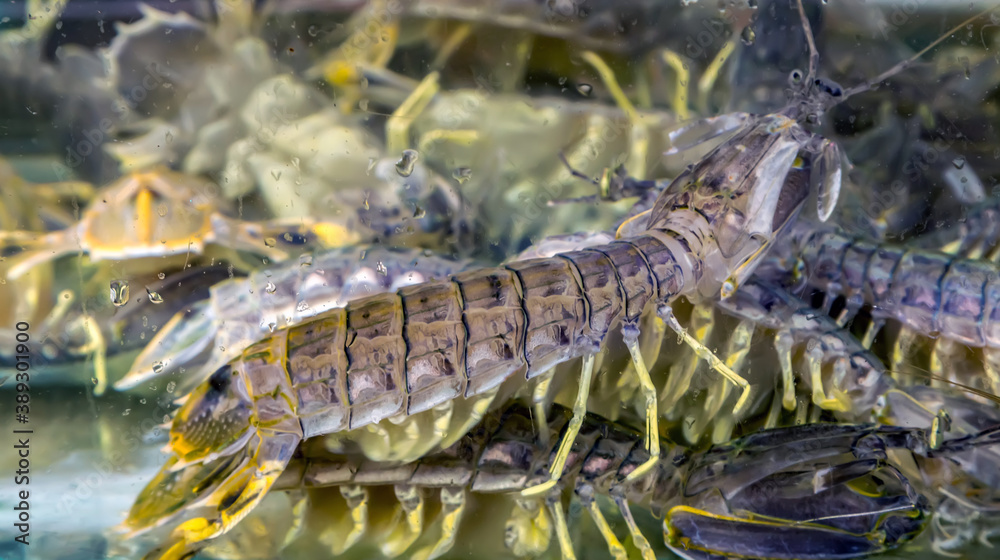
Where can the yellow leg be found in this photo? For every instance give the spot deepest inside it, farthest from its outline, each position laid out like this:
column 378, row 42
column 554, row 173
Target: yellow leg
column 640, row 137
column 579, row 411
column 408, row 522
column 449, row 47
column 397, row 128
column 540, row 401
column 774, row 413
column 298, row 527
column 739, row 347
column 873, row 329
column 97, row 348
column 452, row 508
column 783, row 342
column 819, row 398
column 702, row 323
column 562, row 529
column 428, row 140
column 711, row 74
column 586, row 494
column 528, row 532
column 652, row 436
column 680, row 100
column 346, row 534
column 667, row 315
column 901, row 351
column 638, row 539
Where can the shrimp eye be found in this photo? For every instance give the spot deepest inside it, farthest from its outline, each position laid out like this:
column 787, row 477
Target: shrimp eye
column 795, row 77
column 830, row 88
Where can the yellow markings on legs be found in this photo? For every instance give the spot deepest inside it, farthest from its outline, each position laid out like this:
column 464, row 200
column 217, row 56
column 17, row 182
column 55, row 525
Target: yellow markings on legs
column 815, row 358
column 873, row 329
column 451, row 44
column 648, row 390
column 702, row 323
column 711, row 74
column 464, row 137
column 586, row 494
column 408, row 521
column 569, row 436
column 680, row 99
column 397, row 128
column 528, row 531
column 901, row 350
column 299, row 509
column 783, row 342
column 638, row 539
column 97, row 348
column 736, row 355
column 638, row 133
column 349, row 531
column 554, row 506
column 452, row 508
column 667, row 314
column 539, row 399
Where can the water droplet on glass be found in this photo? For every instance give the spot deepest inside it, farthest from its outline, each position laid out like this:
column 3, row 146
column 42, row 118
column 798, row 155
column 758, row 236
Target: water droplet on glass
column 171, row 386
column 958, row 162
column 748, row 36
column 276, row 174
column 371, row 165
column 169, row 137
column 142, row 401
column 406, row 162
column 161, row 209
column 119, row 292
column 127, row 411
column 585, row 89
column 161, row 275
column 154, row 297
column 381, row 268
column 270, row 242
column 295, row 162
column 157, row 367
column 418, row 212
column 271, row 325
column 562, row 80
column 270, row 288
column 462, row 174
column 313, row 31
column 305, row 260
column 302, row 306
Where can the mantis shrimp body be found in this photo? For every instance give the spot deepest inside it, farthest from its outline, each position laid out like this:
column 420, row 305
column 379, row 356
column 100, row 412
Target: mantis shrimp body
column 709, row 500
column 931, row 294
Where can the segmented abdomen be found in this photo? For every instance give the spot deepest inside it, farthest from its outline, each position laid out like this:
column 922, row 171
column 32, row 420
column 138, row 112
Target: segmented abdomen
column 927, row 291
column 408, row 351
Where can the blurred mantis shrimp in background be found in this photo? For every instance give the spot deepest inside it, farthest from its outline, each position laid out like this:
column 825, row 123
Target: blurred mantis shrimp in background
column 803, row 479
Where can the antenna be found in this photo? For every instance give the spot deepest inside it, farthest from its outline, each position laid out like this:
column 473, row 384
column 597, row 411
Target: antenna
column 867, row 85
column 813, row 53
